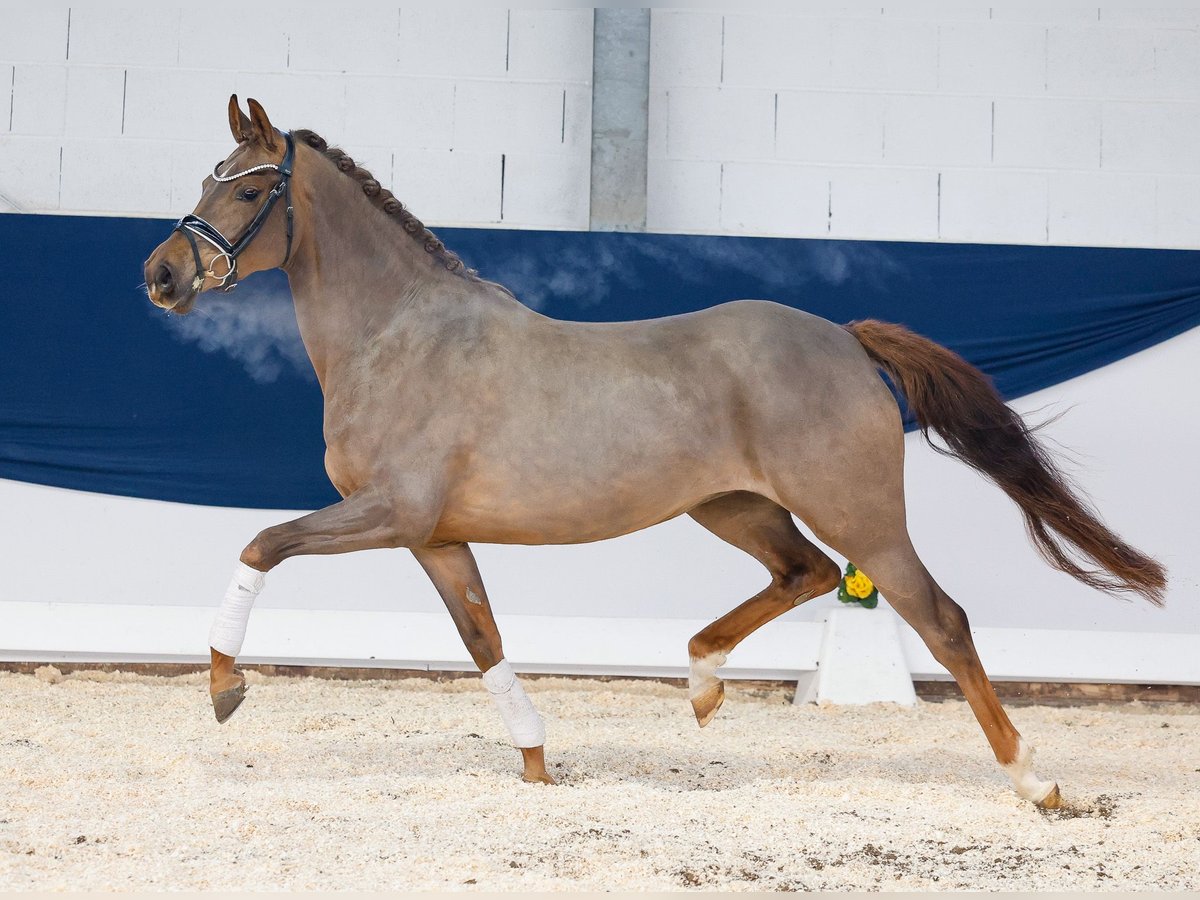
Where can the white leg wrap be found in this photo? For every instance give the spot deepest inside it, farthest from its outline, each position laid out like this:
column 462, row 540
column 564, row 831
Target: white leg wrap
column 516, row 709
column 229, row 628
column 1020, row 770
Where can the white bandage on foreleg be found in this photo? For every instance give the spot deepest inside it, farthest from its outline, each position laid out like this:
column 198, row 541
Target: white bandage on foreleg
column 516, row 709
column 229, row 628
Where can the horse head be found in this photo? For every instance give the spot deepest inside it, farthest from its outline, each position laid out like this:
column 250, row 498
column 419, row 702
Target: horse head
column 239, row 226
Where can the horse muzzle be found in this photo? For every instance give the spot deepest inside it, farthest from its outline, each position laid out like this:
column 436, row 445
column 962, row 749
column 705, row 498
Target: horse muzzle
column 167, row 286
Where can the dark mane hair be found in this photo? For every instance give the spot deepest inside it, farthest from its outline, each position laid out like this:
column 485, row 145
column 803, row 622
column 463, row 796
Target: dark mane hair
column 386, row 201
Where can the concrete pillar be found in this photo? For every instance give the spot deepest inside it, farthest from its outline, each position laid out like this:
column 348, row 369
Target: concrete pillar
column 620, row 100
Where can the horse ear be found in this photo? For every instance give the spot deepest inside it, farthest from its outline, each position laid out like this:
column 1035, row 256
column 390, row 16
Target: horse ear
column 261, row 128
column 239, row 122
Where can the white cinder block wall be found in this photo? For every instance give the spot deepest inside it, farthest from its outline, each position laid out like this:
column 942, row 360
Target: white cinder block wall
column 479, row 116
column 1030, row 122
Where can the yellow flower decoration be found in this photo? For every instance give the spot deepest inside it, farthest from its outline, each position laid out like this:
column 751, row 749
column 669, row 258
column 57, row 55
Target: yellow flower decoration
column 856, row 587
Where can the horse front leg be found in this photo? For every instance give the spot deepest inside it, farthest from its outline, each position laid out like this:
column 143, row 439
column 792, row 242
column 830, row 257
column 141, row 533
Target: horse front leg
column 362, row 521
column 452, row 570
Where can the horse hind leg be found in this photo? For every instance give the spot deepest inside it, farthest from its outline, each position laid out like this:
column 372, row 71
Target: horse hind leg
column 887, row 556
column 798, row 570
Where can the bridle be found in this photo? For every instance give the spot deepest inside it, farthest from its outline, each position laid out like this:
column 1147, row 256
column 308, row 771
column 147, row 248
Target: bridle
column 192, row 226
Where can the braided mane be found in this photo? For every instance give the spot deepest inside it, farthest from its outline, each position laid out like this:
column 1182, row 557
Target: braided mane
column 386, row 201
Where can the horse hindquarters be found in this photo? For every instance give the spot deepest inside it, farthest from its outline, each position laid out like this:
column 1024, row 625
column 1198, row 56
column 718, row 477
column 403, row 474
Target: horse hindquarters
column 853, row 500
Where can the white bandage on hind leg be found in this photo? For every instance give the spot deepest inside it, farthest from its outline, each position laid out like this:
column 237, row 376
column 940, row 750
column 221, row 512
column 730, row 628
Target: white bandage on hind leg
column 516, row 709
column 229, row 628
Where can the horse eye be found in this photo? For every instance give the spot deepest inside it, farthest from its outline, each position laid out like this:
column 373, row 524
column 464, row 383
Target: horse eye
column 248, row 193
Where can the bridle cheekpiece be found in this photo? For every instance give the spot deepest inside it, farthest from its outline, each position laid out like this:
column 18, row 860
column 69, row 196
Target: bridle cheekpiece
column 192, row 226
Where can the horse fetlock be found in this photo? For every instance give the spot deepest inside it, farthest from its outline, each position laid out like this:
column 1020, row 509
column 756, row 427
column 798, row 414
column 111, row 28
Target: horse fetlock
column 227, row 686
column 1044, row 794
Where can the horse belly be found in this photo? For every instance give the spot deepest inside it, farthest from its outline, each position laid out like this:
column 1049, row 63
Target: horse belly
column 544, row 509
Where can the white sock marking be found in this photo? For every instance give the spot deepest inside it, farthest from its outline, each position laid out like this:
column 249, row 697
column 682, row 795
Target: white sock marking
column 702, row 672
column 1020, row 770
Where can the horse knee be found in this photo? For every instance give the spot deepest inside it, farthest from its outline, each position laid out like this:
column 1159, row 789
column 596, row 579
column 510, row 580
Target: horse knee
column 260, row 553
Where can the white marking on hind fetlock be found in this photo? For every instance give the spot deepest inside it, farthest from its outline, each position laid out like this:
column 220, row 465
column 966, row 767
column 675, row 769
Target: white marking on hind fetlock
column 702, row 673
column 1020, row 770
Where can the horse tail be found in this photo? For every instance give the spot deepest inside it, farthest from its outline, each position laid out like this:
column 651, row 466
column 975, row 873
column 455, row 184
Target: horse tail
column 946, row 393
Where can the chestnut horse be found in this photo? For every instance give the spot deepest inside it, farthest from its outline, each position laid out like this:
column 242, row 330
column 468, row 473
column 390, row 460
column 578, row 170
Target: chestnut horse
column 453, row 414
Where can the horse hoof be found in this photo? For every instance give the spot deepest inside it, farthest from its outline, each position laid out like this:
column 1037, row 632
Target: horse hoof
column 534, row 761
column 707, row 702
column 226, row 702
column 1052, row 800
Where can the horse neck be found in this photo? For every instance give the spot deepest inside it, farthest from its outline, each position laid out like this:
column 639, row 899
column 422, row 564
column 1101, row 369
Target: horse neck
column 355, row 272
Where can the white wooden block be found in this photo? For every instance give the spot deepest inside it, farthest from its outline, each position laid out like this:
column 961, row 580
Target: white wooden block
column 926, row 129
column 862, row 660
column 685, row 48
column 1104, row 209
column 683, row 195
column 1152, row 137
column 39, row 35
column 829, row 127
column 1095, row 61
column 547, row 191
column 774, row 199
column 29, row 173
column 498, row 115
column 776, row 51
column 125, row 36
column 892, row 55
column 209, row 42
column 1047, row 134
column 143, row 189
column 454, row 41
column 401, row 111
column 362, row 39
column 986, row 57
column 448, row 188
column 294, row 100
column 551, row 44
column 721, row 123
column 1177, row 64
column 96, row 101
column 1178, row 211
column 894, row 204
column 993, row 206
column 38, row 99
column 177, row 103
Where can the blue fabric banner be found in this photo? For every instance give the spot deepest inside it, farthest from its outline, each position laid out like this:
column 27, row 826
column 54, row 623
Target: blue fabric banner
column 102, row 392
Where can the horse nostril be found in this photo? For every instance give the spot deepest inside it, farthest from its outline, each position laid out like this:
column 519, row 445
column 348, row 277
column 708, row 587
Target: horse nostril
column 164, row 279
